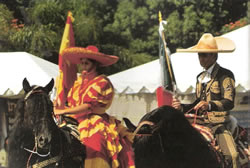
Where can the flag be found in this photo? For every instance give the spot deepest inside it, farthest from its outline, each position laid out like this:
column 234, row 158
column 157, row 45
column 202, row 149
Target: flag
column 168, row 83
column 67, row 70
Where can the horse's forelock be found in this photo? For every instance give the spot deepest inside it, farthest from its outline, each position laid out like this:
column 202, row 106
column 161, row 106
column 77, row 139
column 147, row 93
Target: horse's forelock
column 45, row 106
column 38, row 106
column 162, row 113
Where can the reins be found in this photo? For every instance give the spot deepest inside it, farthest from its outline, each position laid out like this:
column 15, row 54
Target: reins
column 28, row 162
column 195, row 115
column 34, row 151
column 135, row 133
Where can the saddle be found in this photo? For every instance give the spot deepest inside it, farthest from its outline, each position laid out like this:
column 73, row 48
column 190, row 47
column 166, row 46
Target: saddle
column 69, row 126
column 206, row 128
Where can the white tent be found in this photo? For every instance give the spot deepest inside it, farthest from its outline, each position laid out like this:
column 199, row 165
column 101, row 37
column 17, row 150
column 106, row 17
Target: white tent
column 15, row 66
column 146, row 78
column 143, row 78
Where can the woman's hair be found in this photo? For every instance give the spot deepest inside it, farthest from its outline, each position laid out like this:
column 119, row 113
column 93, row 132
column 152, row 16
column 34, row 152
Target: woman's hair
column 99, row 69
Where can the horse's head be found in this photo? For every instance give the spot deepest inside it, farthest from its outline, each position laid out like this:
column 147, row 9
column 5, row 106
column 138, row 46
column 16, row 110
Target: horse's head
column 38, row 110
column 164, row 119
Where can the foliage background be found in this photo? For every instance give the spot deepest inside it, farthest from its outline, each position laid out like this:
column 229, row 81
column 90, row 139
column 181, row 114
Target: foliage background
column 126, row 28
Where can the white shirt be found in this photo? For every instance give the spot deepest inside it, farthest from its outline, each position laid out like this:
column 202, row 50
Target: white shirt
column 206, row 75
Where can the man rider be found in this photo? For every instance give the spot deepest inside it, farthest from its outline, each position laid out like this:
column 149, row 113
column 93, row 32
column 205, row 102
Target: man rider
column 215, row 91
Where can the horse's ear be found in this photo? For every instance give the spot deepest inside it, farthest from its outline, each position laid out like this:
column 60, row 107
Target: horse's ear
column 49, row 86
column 129, row 124
column 26, row 85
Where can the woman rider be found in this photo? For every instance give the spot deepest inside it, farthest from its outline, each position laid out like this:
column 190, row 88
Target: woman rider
column 108, row 143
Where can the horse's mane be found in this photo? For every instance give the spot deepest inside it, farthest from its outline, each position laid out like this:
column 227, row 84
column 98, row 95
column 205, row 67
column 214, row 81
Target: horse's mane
column 172, row 122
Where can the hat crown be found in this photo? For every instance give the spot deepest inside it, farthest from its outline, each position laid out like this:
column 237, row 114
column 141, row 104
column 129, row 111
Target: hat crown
column 92, row 48
column 74, row 55
column 210, row 44
column 207, row 41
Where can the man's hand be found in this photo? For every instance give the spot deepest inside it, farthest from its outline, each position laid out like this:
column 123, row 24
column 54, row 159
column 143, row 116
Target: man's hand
column 202, row 105
column 176, row 103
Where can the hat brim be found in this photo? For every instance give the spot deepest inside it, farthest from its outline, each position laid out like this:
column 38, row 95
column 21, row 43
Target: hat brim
column 225, row 45
column 74, row 54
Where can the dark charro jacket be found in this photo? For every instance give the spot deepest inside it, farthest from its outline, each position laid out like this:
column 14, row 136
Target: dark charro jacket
column 219, row 91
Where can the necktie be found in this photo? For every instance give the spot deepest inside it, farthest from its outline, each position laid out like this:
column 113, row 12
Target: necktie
column 204, row 77
column 203, row 91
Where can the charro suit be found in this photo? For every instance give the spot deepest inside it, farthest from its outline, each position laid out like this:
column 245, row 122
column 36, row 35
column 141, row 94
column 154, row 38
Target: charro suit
column 220, row 93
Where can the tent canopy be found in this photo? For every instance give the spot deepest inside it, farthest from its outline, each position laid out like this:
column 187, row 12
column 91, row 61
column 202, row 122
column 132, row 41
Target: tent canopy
column 186, row 66
column 15, row 66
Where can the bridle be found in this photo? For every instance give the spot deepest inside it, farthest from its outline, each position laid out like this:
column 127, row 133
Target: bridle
column 35, row 151
column 135, row 133
column 33, row 91
column 44, row 163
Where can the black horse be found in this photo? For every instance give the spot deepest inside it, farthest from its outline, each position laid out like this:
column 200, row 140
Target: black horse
column 165, row 138
column 35, row 140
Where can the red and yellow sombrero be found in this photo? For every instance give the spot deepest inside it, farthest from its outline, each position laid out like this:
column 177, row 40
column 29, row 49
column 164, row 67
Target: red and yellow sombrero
column 210, row 44
column 74, row 54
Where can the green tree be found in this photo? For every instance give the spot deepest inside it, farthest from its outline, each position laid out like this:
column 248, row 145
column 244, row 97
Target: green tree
column 126, row 28
column 133, row 25
column 7, row 27
column 195, row 17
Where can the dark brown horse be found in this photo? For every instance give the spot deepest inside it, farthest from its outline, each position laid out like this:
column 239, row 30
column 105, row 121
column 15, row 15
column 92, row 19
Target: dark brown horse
column 35, row 139
column 166, row 139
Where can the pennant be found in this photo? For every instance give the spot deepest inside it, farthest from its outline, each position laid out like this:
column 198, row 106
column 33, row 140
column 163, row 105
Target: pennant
column 67, row 70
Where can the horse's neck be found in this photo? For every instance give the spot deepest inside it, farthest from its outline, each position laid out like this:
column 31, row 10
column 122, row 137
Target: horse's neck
column 57, row 141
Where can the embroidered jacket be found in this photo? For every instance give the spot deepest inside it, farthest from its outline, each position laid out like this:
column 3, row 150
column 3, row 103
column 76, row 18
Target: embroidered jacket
column 219, row 91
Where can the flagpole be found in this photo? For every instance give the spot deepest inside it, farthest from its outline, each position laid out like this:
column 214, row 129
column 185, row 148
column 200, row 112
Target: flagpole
column 166, row 53
column 67, row 71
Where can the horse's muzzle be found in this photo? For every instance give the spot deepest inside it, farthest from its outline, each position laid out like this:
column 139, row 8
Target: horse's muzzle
column 43, row 142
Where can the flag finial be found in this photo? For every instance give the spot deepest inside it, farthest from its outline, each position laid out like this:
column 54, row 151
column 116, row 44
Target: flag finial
column 160, row 17
column 71, row 16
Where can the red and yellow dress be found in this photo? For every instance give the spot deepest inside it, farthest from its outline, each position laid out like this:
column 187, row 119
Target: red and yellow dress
column 103, row 135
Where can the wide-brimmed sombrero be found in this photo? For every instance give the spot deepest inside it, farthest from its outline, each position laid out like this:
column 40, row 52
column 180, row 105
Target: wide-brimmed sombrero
column 74, row 54
column 210, row 44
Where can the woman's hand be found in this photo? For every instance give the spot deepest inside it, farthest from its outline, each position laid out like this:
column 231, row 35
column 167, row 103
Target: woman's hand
column 72, row 110
column 59, row 111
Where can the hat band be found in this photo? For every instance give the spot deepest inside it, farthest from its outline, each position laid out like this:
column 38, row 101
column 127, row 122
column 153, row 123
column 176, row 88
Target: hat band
column 205, row 46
